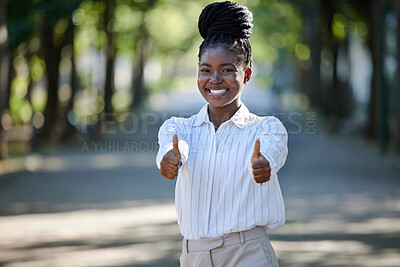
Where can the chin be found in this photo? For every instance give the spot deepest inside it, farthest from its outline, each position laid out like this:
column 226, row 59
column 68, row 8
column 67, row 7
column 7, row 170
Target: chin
column 219, row 104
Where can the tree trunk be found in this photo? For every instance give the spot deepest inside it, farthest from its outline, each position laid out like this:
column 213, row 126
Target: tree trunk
column 344, row 98
column 70, row 41
column 336, row 85
column 110, row 56
column 378, row 93
column 374, row 45
column 328, row 96
column 397, row 82
column 70, row 129
column 52, row 57
column 4, row 54
column 313, row 88
column 142, row 55
column 4, row 75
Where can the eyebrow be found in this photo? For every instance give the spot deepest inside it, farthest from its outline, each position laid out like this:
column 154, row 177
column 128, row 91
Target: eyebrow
column 222, row 65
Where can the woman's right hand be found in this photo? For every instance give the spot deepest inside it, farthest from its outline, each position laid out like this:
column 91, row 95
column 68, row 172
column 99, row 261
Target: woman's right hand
column 169, row 165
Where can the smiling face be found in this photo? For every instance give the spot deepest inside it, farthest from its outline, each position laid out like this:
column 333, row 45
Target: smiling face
column 221, row 78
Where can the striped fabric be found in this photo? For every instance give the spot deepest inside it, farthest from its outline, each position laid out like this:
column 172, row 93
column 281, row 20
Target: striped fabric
column 215, row 193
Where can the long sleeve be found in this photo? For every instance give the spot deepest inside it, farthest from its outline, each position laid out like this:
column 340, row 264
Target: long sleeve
column 273, row 140
column 215, row 194
column 167, row 131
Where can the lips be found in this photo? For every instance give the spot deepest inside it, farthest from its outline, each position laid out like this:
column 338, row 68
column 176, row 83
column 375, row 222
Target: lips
column 217, row 92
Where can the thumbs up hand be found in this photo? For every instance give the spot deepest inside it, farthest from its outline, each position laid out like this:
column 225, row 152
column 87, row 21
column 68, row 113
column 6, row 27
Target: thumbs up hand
column 260, row 166
column 170, row 163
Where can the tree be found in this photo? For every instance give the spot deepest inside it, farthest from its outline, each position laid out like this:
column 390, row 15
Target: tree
column 70, row 130
column 142, row 55
column 110, row 54
column 378, row 96
column 313, row 39
column 142, row 52
column 5, row 65
column 396, row 5
column 52, row 43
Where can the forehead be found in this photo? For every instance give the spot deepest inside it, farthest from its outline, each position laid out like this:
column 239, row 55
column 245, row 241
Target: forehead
column 217, row 54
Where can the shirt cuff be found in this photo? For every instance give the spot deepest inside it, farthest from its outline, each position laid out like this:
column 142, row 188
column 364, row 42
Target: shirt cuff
column 272, row 163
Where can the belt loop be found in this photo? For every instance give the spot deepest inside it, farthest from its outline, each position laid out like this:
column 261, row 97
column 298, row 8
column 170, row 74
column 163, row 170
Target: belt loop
column 241, row 236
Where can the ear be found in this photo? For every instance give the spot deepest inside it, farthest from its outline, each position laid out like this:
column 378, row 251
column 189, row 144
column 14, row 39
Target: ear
column 247, row 75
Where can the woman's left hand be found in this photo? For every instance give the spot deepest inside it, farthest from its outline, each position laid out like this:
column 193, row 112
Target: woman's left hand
column 260, row 166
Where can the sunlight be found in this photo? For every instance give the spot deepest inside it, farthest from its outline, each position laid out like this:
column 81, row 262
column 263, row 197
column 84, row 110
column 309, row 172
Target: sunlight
column 106, row 237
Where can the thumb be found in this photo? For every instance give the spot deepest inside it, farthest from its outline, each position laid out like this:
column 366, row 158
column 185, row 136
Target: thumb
column 175, row 149
column 256, row 152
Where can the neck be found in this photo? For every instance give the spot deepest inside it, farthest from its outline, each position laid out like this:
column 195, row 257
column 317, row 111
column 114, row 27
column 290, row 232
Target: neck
column 219, row 115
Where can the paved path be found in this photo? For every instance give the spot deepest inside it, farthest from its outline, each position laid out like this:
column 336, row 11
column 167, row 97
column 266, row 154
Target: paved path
column 104, row 203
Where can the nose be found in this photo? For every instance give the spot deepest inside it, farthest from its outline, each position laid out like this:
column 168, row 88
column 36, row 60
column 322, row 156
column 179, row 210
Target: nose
column 215, row 77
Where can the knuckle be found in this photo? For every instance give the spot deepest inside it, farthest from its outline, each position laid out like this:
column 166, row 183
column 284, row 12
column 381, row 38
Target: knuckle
column 265, row 164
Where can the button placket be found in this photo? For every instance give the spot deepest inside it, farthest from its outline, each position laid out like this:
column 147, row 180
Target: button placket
column 208, row 189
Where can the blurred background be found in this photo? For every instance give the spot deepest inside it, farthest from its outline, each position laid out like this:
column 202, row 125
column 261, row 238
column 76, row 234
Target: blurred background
column 85, row 85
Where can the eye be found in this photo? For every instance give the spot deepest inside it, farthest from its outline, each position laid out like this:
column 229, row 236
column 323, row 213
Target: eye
column 227, row 70
column 205, row 71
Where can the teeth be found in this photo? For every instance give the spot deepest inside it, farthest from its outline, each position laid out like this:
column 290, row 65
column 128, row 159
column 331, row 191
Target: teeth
column 217, row 92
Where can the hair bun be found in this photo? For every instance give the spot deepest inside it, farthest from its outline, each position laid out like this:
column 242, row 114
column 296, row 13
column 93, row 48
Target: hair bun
column 226, row 18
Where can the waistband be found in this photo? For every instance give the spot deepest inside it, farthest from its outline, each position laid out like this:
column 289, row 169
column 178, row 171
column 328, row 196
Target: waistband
column 226, row 240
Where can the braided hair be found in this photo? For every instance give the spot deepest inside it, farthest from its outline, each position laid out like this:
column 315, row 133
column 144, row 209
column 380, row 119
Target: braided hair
column 230, row 24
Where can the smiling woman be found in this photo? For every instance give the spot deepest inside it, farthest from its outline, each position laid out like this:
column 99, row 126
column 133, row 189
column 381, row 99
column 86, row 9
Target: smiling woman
column 220, row 81
column 225, row 158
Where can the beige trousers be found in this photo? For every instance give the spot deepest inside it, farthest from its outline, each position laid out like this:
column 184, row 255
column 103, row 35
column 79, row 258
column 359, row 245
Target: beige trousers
column 250, row 248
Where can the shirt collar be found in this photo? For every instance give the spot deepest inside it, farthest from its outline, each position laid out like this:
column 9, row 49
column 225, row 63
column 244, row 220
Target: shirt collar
column 240, row 118
column 202, row 116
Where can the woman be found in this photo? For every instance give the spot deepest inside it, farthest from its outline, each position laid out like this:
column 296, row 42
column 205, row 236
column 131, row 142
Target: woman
column 226, row 158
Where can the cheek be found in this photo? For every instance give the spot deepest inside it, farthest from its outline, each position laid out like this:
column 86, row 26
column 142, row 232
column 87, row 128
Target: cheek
column 200, row 83
column 201, row 80
column 236, row 80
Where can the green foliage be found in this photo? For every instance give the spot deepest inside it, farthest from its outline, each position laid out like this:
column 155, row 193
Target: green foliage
column 25, row 17
column 37, row 68
column 277, row 25
column 20, row 24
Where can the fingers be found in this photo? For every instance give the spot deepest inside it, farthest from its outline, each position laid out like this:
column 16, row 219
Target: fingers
column 264, row 171
column 256, row 152
column 175, row 148
column 171, row 159
column 167, row 174
column 260, row 163
column 261, row 167
column 169, row 166
column 170, row 162
column 262, row 174
column 262, row 178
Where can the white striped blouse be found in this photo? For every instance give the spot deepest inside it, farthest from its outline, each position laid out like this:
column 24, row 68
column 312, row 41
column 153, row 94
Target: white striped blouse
column 215, row 192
